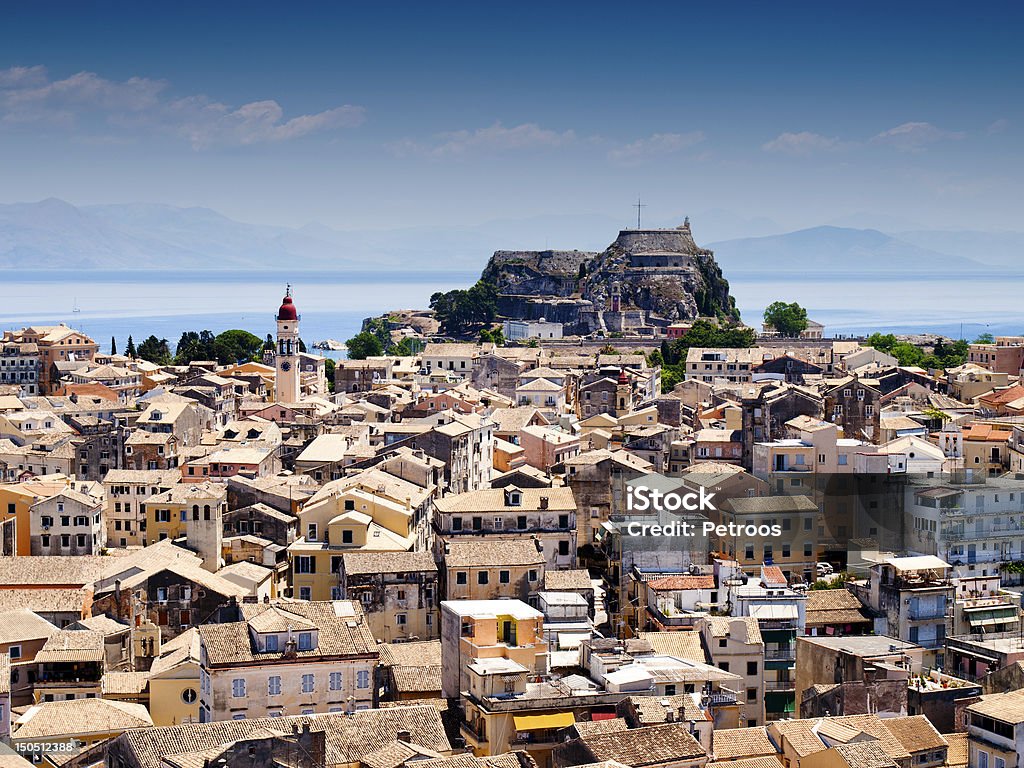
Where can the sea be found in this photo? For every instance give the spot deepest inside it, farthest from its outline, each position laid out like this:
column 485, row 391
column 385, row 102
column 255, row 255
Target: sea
column 113, row 305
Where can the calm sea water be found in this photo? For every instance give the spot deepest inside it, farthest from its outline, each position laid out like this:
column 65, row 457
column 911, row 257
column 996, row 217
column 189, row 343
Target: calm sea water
column 116, row 304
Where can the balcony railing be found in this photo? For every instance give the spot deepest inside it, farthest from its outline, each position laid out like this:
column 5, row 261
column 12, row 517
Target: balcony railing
column 780, row 685
column 780, row 654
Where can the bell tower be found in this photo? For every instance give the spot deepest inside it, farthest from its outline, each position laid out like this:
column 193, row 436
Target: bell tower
column 286, row 378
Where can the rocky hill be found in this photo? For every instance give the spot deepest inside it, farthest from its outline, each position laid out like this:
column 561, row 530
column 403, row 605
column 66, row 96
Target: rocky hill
column 662, row 274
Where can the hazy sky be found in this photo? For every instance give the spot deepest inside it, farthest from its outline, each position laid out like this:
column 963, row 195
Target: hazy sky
column 378, row 114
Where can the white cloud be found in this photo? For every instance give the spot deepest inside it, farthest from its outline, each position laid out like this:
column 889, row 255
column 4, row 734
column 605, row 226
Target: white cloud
column 998, row 126
column 802, row 143
column 913, row 137
column 494, row 138
column 29, row 96
column 656, row 145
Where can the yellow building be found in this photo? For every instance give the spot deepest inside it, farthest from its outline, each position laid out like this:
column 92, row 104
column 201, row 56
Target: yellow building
column 347, row 519
column 174, row 681
column 167, row 513
column 16, row 500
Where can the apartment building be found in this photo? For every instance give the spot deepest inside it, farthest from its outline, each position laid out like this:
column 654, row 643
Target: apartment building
column 70, row 522
column 127, row 491
column 285, row 659
column 546, row 514
column 398, row 592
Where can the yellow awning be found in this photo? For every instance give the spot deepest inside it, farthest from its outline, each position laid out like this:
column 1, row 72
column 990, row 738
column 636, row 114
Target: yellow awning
column 534, row 722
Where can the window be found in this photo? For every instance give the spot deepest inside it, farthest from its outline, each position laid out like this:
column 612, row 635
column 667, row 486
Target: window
column 305, row 564
column 161, row 594
column 724, row 666
column 670, row 690
column 271, row 644
column 14, row 652
column 274, row 685
column 238, row 687
column 504, row 577
column 456, row 523
column 305, row 641
column 563, row 547
column 482, row 577
column 335, row 681
column 460, row 577
column 307, row 683
column 400, row 619
column 751, row 694
column 751, row 668
column 532, row 575
column 311, row 532
column 346, row 537
column 305, row 593
column 723, row 642
column 363, row 678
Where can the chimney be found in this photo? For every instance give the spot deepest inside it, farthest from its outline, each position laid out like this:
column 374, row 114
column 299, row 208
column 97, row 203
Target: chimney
column 543, row 502
column 404, row 736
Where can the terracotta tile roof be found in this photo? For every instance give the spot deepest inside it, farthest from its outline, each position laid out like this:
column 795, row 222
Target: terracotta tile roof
column 124, row 683
column 425, row 653
column 675, row 583
column 493, row 499
column 348, row 737
column 341, row 631
column 567, row 581
column 79, row 716
column 915, row 733
column 1007, row 707
column 492, row 553
column 833, row 606
column 387, row 562
column 653, row 745
column 956, row 757
column 594, row 727
column 418, row 679
column 741, row 628
column 684, row 644
column 69, row 600
column 753, row 762
column 864, row 754
column 732, row 743
column 652, row 710
column 22, row 624
column 67, row 645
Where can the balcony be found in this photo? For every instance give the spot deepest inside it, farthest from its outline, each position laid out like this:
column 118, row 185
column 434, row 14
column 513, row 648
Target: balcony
column 927, row 613
column 780, row 686
column 783, row 653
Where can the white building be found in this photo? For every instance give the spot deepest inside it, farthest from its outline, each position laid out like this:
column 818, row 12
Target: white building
column 516, row 330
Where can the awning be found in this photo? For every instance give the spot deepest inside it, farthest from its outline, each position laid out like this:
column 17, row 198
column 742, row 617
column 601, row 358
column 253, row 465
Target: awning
column 774, row 612
column 992, row 616
column 535, row 722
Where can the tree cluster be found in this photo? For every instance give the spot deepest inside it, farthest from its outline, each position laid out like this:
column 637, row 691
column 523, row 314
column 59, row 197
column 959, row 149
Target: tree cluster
column 460, row 310
column 945, row 354
column 703, row 334
column 790, row 320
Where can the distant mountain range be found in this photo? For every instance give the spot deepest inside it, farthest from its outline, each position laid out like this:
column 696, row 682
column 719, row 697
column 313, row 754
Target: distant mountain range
column 53, row 234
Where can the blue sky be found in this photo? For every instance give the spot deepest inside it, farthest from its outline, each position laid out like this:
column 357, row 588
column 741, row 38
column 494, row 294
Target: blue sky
column 381, row 115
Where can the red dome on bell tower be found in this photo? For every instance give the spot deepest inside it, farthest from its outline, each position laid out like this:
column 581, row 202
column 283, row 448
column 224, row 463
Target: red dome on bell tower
column 287, row 310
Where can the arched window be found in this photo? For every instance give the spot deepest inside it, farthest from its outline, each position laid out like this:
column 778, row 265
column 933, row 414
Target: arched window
column 195, row 511
column 206, row 512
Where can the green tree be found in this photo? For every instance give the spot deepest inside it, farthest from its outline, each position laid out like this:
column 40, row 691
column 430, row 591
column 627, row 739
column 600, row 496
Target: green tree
column 460, row 310
column 302, row 346
column 492, row 336
column 194, row 346
column 703, row 333
column 113, row 345
column 788, row 319
column 363, row 345
column 236, row 346
column 985, row 338
column 155, row 351
column 655, row 359
column 130, row 349
column 329, row 366
column 407, row 347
